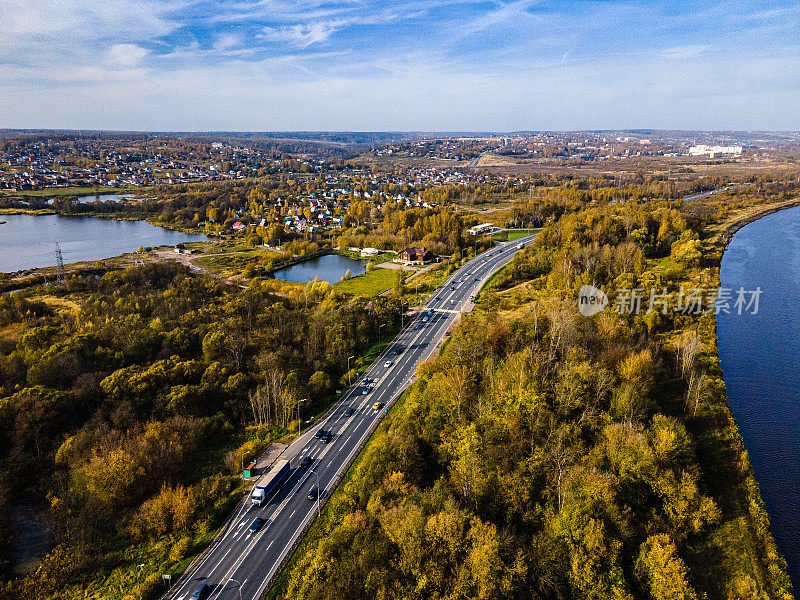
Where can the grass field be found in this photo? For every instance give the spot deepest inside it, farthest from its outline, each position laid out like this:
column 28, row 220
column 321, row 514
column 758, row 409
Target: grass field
column 230, row 263
column 510, row 235
column 371, row 283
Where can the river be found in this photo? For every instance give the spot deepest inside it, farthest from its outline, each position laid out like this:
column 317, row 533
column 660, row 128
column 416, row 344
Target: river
column 29, row 241
column 760, row 357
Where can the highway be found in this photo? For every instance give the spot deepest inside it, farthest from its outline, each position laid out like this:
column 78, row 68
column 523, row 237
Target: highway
column 712, row 192
column 241, row 561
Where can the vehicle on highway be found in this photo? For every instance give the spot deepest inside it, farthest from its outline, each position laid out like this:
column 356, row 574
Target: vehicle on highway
column 200, row 592
column 365, row 390
column 377, row 406
column 327, row 437
column 320, row 433
column 270, row 482
column 367, row 380
column 387, row 364
column 256, row 525
column 425, row 319
column 521, row 246
column 306, row 462
column 348, row 411
column 398, row 350
column 312, row 493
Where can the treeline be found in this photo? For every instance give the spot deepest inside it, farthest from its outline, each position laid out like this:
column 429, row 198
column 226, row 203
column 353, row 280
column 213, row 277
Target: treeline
column 119, row 403
column 549, row 455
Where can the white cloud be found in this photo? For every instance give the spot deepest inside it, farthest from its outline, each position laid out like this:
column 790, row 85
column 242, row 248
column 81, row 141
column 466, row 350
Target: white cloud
column 301, row 35
column 522, row 66
column 685, row 52
column 227, row 41
column 126, row 55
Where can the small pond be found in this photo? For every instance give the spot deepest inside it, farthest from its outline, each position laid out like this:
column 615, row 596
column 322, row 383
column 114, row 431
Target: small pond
column 330, row 268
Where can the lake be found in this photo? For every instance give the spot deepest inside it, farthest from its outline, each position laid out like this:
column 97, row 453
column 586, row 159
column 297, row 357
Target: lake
column 329, row 267
column 28, row 241
column 104, row 198
column 760, row 357
column 100, row 198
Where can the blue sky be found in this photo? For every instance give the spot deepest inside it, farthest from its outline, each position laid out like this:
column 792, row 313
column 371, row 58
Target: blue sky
column 254, row 65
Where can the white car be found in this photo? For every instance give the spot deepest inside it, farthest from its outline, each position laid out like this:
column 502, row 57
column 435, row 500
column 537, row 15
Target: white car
column 387, row 364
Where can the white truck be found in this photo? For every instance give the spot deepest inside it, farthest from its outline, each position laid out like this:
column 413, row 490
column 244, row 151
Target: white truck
column 270, row 482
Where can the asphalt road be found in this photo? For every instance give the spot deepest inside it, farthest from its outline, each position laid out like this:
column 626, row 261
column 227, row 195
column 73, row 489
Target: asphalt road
column 243, row 561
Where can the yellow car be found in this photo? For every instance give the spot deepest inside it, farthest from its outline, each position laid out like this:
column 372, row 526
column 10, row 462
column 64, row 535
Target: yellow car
column 377, row 406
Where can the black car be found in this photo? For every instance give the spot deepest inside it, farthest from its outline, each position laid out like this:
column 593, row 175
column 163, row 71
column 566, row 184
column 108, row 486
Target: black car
column 312, row 493
column 348, row 411
column 306, row 462
column 398, row 350
column 326, row 437
column 256, row 525
column 319, row 434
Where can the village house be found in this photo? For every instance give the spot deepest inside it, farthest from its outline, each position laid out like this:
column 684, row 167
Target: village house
column 415, row 256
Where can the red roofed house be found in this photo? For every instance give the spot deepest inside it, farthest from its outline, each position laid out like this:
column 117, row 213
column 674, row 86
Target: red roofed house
column 415, row 256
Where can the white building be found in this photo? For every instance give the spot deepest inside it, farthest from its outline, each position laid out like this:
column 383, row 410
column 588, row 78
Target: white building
column 712, row 151
column 481, row 229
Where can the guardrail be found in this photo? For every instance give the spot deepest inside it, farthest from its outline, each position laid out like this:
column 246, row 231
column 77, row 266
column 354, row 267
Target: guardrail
column 337, row 478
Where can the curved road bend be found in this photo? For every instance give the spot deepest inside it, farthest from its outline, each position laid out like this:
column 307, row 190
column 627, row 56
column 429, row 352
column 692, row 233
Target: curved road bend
column 243, row 561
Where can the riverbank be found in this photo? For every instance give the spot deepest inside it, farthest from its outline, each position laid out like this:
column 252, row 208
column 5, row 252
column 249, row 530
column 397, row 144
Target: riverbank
column 719, row 235
column 758, row 355
column 723, row 445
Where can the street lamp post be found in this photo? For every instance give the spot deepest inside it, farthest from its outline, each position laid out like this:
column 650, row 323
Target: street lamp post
column 402, row 304
column 238, row 584
column 349, row 379
column 379, row 331
column 318, row 492
column 138, row 582
column 299, row 420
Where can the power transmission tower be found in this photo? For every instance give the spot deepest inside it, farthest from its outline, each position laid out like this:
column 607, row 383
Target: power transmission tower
column 60, row 264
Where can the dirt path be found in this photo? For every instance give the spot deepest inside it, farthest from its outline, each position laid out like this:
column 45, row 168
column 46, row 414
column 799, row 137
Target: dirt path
column 188, row 260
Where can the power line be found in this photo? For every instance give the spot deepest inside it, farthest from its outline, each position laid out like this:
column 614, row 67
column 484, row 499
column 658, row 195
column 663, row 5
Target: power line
column 59, row 264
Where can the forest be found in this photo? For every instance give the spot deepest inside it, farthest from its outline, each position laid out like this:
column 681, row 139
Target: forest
column 547, row 455
column 128, row 401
